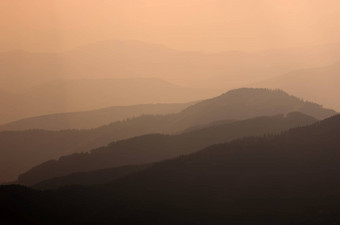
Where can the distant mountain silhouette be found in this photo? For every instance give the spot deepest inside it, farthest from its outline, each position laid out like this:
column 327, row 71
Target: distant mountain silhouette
column 62, row 96
column 37, row 146
column 155, row 147
column 93, row 118
column 114, row 59
column 250, row 102
column 290, row 178
column 30, row 76
column 316, row 84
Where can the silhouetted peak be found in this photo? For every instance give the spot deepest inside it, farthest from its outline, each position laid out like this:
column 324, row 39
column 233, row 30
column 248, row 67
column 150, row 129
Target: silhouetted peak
column 252, row 91
column 245, row 103
column 253, row 94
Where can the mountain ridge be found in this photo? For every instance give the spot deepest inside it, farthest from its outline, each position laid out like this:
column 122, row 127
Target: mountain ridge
column 93, row 118
column 288, row 178
column 65, row 142
column 157, row 147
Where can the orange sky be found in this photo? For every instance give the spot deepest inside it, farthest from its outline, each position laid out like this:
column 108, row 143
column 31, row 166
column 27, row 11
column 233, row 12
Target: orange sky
column 208, row 25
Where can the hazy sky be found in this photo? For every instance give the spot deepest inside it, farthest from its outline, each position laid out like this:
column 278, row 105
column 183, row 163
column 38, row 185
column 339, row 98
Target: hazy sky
column 209, row 25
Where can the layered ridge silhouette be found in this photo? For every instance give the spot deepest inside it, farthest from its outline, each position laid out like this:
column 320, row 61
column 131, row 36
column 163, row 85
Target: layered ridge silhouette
column 25, row 149
column 282, row 179
column 29, row 76
column 152, row 148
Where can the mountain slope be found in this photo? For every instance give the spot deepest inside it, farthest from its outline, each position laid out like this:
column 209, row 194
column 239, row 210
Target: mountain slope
column 291, row 178
column 156, row 147
column 38, row 146
column 95, row 177
column 93, row 118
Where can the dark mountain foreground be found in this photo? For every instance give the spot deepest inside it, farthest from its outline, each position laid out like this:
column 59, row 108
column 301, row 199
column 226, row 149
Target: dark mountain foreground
column 290, row 178
column 94, row 177
column 152, row 148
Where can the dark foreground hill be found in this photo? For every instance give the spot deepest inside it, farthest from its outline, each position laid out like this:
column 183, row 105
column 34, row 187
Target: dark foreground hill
column 88, row 178
column 152, row 148
column 21, row 150
column 92, row 119
column 291, row 178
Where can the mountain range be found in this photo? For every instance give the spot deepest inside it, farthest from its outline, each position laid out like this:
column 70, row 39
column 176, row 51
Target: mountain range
column 22, row 150
column 89, row 77
column 156, row 147
column 288, row 178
